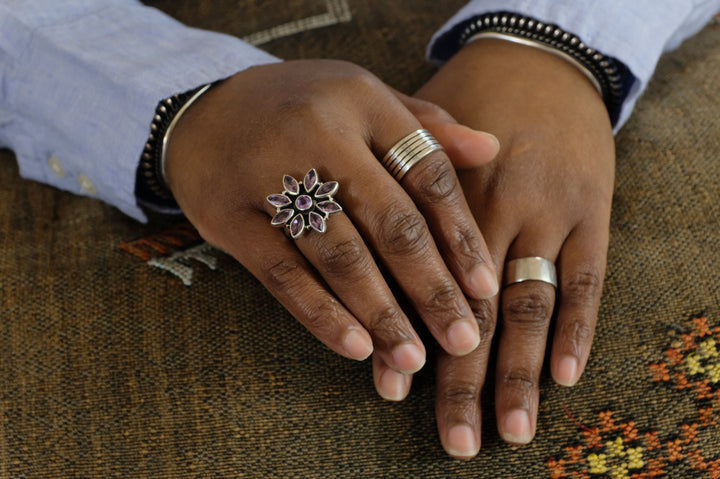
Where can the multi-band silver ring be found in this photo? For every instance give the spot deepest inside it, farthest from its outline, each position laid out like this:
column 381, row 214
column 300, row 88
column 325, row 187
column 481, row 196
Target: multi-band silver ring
column 533, row 268
column 408, row 152
column 304, row 204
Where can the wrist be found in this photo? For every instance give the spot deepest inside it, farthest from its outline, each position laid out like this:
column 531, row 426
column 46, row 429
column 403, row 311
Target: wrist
column 490, row 76
column 610, row 76
column 151, row 180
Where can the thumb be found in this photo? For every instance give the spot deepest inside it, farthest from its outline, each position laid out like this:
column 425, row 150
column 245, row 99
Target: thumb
column 466, row 148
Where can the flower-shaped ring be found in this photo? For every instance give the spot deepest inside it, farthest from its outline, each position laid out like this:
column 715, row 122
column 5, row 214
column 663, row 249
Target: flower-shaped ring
column 304, row 205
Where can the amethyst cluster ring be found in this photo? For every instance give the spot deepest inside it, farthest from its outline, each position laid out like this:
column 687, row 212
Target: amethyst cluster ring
column 304, row 205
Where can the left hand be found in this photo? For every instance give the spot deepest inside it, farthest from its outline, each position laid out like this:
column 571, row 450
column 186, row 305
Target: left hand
column 234, row 145
column 548, row 194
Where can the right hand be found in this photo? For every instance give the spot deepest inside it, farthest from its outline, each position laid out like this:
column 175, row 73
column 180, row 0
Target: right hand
column 548, row 193
column 230, row 151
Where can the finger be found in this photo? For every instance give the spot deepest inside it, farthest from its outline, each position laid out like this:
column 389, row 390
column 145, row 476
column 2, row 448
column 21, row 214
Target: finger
column 434, row 186
column 341, row 257
column 466, row 148
column 582, row 262
column 390, row 384
column 527, row 308
column 435, row 189
column 276, row 262
column 399, row 235
column 459, row 384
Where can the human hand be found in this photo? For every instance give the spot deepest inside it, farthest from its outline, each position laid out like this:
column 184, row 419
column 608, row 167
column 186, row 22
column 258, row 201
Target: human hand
column 547, row 194
column 230, row 151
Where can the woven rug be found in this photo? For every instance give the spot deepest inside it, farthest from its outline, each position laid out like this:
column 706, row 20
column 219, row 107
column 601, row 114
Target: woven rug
column 132, row 351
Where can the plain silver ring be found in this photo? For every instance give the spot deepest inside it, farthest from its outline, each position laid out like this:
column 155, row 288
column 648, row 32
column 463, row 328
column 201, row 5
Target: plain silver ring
column 532, row 268
column 408, row 152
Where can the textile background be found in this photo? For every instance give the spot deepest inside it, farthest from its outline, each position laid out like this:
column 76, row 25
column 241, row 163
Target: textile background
column 111, row 366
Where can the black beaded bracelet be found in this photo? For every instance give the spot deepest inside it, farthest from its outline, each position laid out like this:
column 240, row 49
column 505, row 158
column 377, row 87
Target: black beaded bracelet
column 150, row 186
column 611, row 76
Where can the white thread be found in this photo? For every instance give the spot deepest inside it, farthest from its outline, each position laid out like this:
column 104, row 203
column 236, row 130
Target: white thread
column 174, row 263
column 338, row 11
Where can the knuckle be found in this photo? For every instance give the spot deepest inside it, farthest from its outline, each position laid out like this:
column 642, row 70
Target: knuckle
column 339, row 259
column 443, row 298
column 576, row 333
column 582, row 288
column 282, row 273
column 437, row 179
column 307, row 111
column 533, row 308
column 461, row 393
column 361, row 79
column 466, row 243
column 347, row 76
column 386, row 322
column 403, row 231
column 485, row 315
column 520, row 380
column 322, row 318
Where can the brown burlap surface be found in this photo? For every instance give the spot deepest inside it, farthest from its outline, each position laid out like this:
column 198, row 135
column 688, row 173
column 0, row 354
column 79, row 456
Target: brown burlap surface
column 112, row 367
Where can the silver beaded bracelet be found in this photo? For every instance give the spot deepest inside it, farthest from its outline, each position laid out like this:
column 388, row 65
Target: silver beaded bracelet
column 150, row 184
column 605, row 73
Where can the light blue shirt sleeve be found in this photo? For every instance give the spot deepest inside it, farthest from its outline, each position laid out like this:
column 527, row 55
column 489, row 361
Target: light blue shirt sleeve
column 635, row 32
column 80, row 80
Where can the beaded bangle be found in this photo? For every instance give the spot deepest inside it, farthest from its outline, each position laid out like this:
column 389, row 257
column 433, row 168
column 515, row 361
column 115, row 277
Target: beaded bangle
column 150, row 185
column 607, row 74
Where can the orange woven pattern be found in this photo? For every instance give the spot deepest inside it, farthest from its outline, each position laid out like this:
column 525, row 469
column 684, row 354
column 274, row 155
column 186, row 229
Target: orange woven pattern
column 112, row 367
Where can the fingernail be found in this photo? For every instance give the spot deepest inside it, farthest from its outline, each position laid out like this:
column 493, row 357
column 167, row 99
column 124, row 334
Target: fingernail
column 357, row 345
column 566, row 373
column 463, row 337
column 483, row 282
column 461, row 441
column 516, row 428
column 408, row 357
column 491, row 137
column 393, row 386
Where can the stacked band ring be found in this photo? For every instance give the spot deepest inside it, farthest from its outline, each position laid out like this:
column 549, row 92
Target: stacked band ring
column 533, row 268
column 408, row 152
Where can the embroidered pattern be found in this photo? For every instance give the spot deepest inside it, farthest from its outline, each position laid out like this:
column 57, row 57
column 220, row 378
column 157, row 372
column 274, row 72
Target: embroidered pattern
column 338, row 11
column 177, row 262
column 608, row 450
column 619, row 450
column 172, row 251
column 179, row 236
column 692, row 362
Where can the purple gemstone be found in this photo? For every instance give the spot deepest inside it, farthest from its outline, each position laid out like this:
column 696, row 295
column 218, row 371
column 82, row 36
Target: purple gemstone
column 317, row 222
column 297, row 226
column 291, row 185
column 327, row 189
column 329, row 207
column 311, row 179
column 278, row 201
column 303, row 202
column 282, row 217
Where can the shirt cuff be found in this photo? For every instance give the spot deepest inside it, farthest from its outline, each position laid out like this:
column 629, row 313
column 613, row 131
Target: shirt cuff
column 82, row 85
column 634, row 33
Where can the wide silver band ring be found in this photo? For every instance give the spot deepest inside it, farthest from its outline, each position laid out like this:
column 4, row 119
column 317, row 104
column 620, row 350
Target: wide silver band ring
column 533, row 268
column 409, row 151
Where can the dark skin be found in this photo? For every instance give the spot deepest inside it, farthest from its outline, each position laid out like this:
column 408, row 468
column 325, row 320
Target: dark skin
column 548, row 194
column 231, row 150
